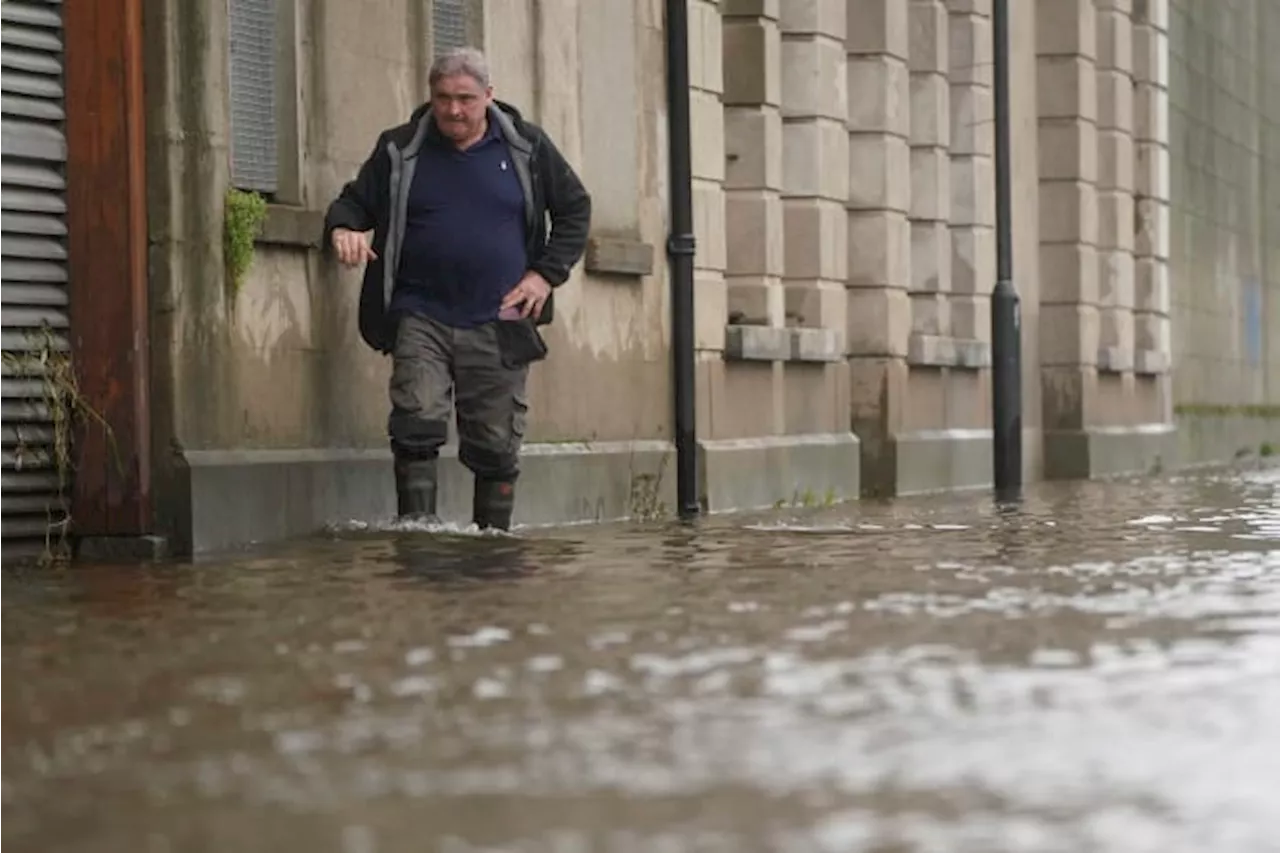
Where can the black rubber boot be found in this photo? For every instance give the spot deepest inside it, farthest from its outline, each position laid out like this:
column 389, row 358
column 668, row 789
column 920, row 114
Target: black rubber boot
column 416, row 489
column 494, row 502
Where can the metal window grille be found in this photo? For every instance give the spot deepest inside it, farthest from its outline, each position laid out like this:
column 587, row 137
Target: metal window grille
column 34, row 289
column 448, row 25
column 254, row 153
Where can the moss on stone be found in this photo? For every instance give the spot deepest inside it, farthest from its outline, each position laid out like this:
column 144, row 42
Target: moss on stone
column 244, row 215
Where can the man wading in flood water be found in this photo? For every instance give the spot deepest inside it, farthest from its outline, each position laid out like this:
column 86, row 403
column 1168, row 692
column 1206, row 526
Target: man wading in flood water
column 459, row 275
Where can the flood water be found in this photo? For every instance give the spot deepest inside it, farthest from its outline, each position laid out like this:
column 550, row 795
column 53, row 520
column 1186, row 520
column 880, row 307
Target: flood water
column 1095, row 670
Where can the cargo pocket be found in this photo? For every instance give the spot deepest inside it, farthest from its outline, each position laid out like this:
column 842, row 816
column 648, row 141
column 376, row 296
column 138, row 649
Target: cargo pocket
column 519, row 343
column 519, row 418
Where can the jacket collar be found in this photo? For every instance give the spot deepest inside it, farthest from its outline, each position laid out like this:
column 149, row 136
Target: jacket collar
column 499, row 117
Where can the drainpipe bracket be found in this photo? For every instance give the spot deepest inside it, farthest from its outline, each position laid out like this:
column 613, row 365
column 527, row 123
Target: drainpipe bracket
column 681, row 245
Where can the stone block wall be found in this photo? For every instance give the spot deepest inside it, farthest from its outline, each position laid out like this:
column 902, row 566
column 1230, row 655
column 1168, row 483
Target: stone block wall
column 970, row 111
column 753, row 163
column 919, row 259
column 844, row 210
column 777, row 384
column 707, row 127
column 1152, row 193
column 858, row 273
column 815, row 164
column 1224, row 148
column 1104, row 235
column 922, row 248
column 879, row 231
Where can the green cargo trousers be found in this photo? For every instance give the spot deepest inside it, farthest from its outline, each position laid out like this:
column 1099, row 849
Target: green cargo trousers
column 439, row 371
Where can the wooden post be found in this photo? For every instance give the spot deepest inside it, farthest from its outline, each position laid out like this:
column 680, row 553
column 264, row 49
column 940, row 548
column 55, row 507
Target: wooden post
column 107, row 259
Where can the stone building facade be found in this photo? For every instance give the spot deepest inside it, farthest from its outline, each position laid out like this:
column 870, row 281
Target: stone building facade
column 1224, row 146
column 844, row 210
column 858, row 201
column 843, row 184
column 1104, row 236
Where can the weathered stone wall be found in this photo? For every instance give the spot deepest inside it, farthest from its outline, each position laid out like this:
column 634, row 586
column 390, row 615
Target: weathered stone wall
column 270, row 412
column 922, row 238
column 843, row 187
column 846, row 231
column 1224, row 118
column 1104, row 235
column 768, row 101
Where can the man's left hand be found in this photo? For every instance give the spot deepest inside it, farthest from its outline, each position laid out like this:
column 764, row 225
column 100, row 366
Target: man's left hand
column 531, row 294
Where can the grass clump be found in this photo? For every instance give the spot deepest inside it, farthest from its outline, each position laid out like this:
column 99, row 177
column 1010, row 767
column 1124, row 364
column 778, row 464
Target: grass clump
column 48, row 362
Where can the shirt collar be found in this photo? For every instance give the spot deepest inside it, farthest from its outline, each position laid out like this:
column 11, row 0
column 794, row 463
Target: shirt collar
column 494, row 132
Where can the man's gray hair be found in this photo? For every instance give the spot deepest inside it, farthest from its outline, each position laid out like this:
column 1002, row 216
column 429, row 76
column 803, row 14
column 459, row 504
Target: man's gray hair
column 460, row 60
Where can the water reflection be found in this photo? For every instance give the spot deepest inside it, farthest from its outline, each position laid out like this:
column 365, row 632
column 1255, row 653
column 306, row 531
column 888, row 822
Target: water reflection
column 461, row 559
column 1096, row 668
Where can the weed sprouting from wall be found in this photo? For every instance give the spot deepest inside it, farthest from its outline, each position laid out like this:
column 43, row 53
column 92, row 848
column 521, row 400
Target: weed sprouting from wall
column 51, row 447
column 245, row 213
column 645, row 501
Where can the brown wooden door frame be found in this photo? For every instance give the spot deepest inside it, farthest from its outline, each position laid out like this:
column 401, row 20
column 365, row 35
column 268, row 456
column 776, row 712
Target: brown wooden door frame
column 107, row 263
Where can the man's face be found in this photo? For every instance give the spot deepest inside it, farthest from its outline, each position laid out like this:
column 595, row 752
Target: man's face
column 459, row 103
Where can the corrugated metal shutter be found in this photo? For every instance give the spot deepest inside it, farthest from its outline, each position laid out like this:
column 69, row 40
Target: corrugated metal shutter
column 34, row 264
column 448, row 24
column 253, row 95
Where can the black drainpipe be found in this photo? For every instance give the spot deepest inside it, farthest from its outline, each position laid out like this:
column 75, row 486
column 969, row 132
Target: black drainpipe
column 681, row 248
column 1006, row 320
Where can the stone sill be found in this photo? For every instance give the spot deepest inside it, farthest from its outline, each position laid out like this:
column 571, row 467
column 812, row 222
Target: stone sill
column 1149, row 362
column 772, row 343
column 938, row 351
column 303, row 228
column 1114, row 360
column 296, row 227
column 1143, row 362
column 618, row 256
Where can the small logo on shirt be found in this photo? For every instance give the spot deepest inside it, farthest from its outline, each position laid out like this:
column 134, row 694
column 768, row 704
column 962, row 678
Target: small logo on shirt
column 504, row 165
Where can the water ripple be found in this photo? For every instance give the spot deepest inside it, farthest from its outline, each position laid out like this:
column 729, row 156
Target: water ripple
column 1097, row 668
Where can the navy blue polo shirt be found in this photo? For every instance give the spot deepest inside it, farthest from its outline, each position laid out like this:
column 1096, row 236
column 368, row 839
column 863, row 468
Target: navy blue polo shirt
column 464, row 241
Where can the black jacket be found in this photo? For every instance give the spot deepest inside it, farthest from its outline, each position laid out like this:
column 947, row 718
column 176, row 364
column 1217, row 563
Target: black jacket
column 557, row 210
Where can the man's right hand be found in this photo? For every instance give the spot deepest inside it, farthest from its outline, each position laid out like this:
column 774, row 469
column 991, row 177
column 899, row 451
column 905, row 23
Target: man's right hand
column 352, row 247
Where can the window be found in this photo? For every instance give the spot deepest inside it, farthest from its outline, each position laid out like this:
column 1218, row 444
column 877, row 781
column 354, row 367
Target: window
column 448, row 25
column 263, row 89
column 455, row 23
column 254, row 156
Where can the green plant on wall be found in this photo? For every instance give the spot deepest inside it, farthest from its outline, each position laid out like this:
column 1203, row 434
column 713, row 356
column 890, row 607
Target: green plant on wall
column 245, row 214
